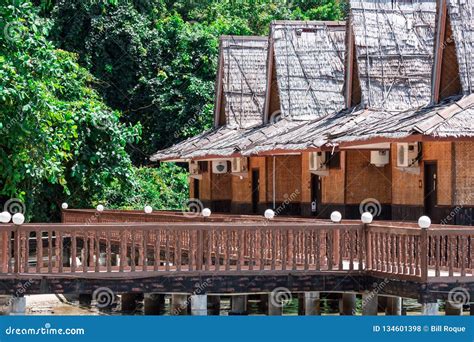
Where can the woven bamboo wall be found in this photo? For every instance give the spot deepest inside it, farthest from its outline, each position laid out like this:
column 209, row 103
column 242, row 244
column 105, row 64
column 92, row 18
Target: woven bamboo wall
column 305, row 178
column 333, row 185
column 205, row 185
column 364, row 180
column 221, row 186
column 242, row 189
column 288, row 178
column 464, row 194
column 405, row 186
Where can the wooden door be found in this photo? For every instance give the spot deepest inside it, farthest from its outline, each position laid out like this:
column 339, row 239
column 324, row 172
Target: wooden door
column 431, row 188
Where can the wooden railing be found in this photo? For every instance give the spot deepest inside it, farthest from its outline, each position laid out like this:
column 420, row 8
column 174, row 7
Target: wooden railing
column 404, row 252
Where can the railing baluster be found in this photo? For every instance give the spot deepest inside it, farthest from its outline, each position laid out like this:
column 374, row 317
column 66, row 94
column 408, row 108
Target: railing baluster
column 157, row 251
column 145, row 251
column 84, row 252
column 317, row 249
column 463, row 256
column 132, row 250
column 50, row 251
column 437, row 241
column 167, row 250
column 178, row 251
column 27, row 252
column 73, row 251
column 59, row 241
column 108, row 251
column 122, row 249
column 97, row 250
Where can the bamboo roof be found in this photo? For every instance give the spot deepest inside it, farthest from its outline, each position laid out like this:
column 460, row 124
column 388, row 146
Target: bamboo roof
column 309, row 64
column 394, row 42
column 461, row 13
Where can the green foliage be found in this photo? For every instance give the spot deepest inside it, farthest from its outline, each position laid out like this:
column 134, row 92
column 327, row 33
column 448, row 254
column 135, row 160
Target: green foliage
column 163, row 188
column 58, row 141
column 156, row 60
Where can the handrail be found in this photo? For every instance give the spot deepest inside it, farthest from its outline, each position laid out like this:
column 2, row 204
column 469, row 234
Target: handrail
column 406, row 253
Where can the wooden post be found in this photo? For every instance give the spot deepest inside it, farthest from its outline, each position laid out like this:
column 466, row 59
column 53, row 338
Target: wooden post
column 3, row 252
column 238, row 305
column 424, row 254
column 309, row 304
column 348, row 304
column 394, row 306
column 368, row 248
column 369, row 304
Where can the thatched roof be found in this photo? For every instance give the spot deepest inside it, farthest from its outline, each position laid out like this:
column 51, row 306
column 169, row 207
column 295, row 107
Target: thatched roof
column 309, row 63
column 461, row 13
column 244, row 79
column 452, row 118
column 394, row 43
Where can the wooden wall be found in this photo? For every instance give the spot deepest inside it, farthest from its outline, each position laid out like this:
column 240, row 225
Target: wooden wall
column 364, row 180
column 405, row 186
column 441, row 152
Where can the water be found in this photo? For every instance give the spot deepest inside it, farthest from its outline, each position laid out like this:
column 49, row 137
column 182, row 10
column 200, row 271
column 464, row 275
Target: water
column 60, row 305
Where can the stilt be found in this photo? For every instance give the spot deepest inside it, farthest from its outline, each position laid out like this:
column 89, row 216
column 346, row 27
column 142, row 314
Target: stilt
column 129, row 301
column 452, row 309
column 430, row 309
column 17, row 306
column 369, row 304
column 179, row 304
column 199, row 305
column 214, row 305
column 85, row 299
column 309, row 304
column 263, row 303
column 471, row 309
column 394, row 306
column 275, row 306
column 348, row 304
column 154, row 304
column 238, row 305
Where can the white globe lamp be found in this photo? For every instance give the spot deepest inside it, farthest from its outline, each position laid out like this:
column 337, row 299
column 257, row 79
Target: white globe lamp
column 64, row 205
column 100, row 208
column 269, row 214
column 366, row 218
column 148, row 209
column 206, row 212
column 5, row 217
column 336, row 216
column 424, row 222
column 18, row 219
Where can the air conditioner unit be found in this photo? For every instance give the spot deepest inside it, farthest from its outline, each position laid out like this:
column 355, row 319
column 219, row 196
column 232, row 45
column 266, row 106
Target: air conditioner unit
column 379, row 158
column 317, row 161
column 219, row 166
column 239, row 165
column 194, row 168
column 407, row 154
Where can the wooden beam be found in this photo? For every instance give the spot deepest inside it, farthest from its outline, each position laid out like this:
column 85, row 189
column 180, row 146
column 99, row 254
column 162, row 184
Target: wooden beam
column 269, row 79
column 219, row 85
column 439, row 49
column 349, row 64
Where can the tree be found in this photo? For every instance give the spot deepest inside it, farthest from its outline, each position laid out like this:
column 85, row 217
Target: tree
column 58, row 140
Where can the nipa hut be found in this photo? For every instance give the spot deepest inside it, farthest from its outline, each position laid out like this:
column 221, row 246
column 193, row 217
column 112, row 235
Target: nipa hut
column 372, row 114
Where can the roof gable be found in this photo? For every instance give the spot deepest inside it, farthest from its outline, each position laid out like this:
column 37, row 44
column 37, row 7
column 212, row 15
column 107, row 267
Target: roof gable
column 309, row 62
column 243, row 67
column 394, row 43
column 461, row 13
